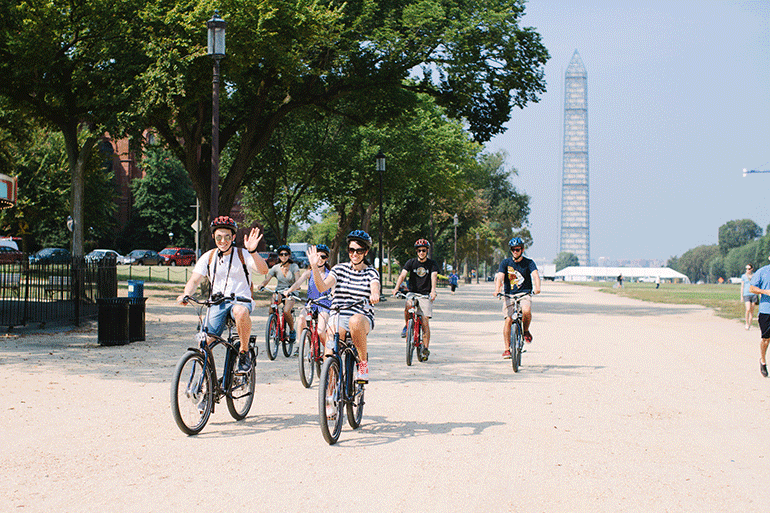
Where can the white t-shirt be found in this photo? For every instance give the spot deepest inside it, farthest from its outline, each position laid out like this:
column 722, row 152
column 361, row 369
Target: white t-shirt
column 236, row 282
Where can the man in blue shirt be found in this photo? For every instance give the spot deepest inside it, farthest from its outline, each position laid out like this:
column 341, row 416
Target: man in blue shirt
column 760, row 284
column 517, row 273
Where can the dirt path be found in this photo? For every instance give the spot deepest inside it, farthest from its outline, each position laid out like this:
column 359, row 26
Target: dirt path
column 620, row 406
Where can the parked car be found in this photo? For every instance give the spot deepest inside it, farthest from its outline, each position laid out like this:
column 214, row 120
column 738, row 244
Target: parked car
column 301, row 258
column 50, row 256
column 8, row 255
column 270, row 257
column 98, row 255
column 143, row 257
column 178, row 256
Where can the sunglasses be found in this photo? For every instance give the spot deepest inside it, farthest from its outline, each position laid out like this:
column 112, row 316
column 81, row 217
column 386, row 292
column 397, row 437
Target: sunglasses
column 220, row 238
column 322, row 256
column 422, row 250
column 358, row 251
column 283, row 254
column 517, row 249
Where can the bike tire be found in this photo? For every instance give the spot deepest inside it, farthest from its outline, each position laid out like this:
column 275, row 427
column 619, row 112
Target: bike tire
column 271, row 336
column 409, row 342
column 240, row 396
column 418, row 337
column 329, row 388
column 286, row 343
column 354, row 392
column 192, row 393
column 515, row 345
column 306, row 362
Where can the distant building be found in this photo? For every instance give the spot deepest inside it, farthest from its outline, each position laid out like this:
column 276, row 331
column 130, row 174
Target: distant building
column 575, row 233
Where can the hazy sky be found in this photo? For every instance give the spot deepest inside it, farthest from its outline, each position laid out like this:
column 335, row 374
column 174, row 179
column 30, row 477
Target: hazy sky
column 678, row 105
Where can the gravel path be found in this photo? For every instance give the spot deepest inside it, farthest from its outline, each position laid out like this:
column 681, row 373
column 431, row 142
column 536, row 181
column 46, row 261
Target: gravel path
column 620, row 405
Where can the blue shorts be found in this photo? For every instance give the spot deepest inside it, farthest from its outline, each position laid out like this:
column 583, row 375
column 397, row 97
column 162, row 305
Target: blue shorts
column 218, row 315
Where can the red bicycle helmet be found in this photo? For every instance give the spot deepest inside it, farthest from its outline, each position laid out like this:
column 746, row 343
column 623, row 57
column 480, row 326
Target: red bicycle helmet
column 422, row 243
column 224, row 222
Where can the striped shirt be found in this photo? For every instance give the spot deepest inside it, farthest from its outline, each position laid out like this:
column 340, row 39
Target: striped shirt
column 353, row 286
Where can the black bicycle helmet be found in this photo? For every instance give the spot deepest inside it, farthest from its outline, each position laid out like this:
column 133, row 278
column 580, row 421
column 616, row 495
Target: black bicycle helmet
column 361, row 237
column 224, row 222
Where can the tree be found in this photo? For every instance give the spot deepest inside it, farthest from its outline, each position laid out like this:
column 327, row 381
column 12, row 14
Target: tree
column 351, row 58
column 737, row 233
column 566, row 259
column 65, row 65
column 40, row 214
column 695, row 262
column 162, row 202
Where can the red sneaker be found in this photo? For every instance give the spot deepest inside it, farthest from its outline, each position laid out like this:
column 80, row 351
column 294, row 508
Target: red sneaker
column 507, row 354
column 527, row 337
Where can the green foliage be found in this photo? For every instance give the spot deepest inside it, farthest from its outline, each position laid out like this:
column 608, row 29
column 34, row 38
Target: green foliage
column 162, row 202
column 566, row 259
column 44, row 192
column 695, row 262
column 354, row 59
column 737, row 233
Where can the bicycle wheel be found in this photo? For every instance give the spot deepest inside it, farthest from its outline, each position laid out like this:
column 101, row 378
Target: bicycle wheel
column 192, row 393
column 286, row 343
column 418, row 338
column 354, row 392
column 515, row 345
column 271, row 336
column 306, row 362
column 409, row 341
column 241, row 393
column 330, row 401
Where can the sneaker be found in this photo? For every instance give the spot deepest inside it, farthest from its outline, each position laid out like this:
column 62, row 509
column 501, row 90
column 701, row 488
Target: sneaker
column 292, row 336
column 763, row 368
column 507, row 354
column 244, row 363
column 362, row 376
column 403, row 332
column 425, row 354
column 202, row 406
column 527, row 337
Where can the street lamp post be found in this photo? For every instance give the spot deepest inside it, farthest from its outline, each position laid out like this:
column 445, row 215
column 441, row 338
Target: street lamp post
column 216, row 49
column 380, row 157
column 454, row 262
column 750, row 171
column 477, row 258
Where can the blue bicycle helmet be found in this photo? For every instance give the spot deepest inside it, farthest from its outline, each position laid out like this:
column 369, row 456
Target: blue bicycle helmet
column 360, row 236
column 516, row 242
column 323, row 248
column 282, row 247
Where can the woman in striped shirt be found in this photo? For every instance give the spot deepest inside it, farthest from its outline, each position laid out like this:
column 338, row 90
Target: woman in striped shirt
column 351, row 282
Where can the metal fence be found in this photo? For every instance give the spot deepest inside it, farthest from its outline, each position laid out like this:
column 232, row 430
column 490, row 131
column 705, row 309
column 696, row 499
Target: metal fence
column 48, row 293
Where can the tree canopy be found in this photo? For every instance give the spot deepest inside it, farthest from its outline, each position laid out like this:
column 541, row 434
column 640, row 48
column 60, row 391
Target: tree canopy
column 566, row 259
column 737, row 233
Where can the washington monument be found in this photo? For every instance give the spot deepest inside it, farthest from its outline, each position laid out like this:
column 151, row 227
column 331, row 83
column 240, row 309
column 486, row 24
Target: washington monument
column 575, row 233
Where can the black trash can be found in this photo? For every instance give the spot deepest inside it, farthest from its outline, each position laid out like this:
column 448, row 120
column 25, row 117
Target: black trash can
column 136, row 318
column 113, row 321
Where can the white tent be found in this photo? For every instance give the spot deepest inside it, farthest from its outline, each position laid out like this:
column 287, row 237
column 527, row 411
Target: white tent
column 650, row 274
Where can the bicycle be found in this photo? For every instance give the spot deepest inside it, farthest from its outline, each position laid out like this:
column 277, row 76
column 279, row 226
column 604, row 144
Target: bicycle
column 276, row 329
column 195, row 388
column 337, row 388
column 516, row 339
column 413, row 326
column 311, row 353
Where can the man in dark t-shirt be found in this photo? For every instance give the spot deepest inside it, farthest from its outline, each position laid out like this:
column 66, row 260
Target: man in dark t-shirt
column 423, row 277
column 517, row 273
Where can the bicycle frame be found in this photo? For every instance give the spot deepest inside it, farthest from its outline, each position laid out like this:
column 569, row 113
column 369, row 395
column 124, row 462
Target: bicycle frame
column 277, row 306
column 517, row 320
column 417, row 319
column 205, row 348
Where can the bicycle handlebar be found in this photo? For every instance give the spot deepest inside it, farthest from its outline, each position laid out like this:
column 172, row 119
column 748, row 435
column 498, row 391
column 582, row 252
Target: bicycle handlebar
column 210, row 302
column 514, row 296
column 293, row 295
column 338, row 308
column 409, row 295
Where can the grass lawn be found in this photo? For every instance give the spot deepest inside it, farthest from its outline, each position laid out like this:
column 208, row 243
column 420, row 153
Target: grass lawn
column 724, row 299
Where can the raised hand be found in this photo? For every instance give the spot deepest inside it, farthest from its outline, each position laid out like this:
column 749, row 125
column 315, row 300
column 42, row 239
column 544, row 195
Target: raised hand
column 251, row 240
